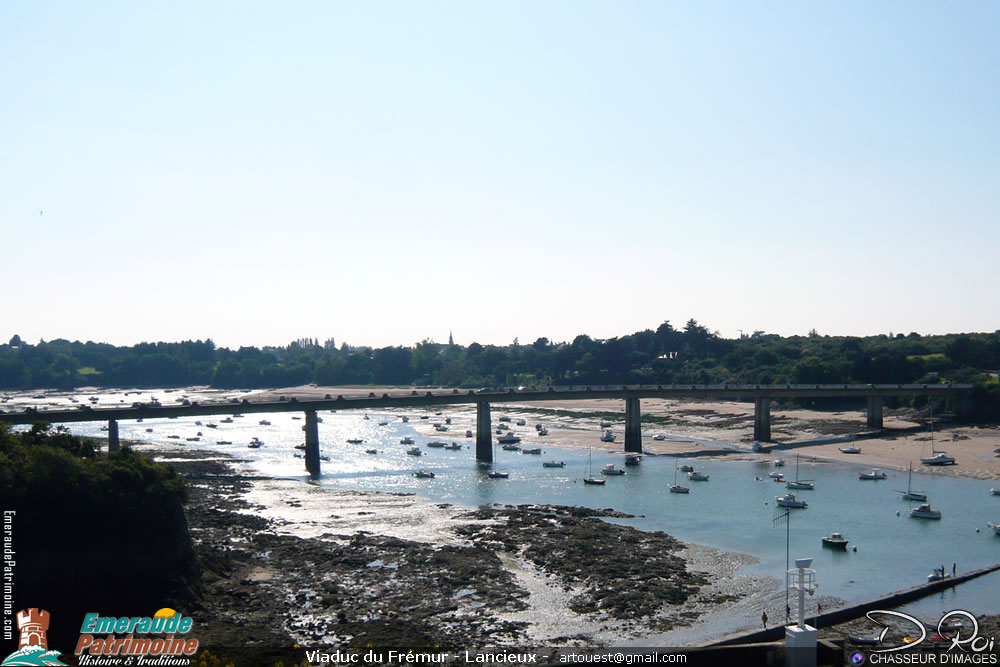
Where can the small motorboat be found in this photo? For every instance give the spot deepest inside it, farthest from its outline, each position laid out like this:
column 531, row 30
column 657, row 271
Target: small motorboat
column 938, row 574
column 194, row 439
column 659, row 436
column 532, row 450
column 371, row 451
column 227, row 420
column 383, row 423
column 925, row 512
column 300, row 446
column 864, row 641
column 835, row 541
column 255, row 443
column 610, row 469
column 423, row 474
column 406, row 441
column 605, row 424
column 850, row 450
column 505, row 419
column 223, row 442
column 756, row 447
column 511, row 448
column 264, row 422
column 355, row 441
column 453, row 446
column 874, row 474
column 554, row 464
column 608, row 437
column 508, row 439
column 437, row 444
column 696, row 476
column 441, row 428
column 149, row 430
column 496, row 474
column 995, row 527
column 779, row 463
column 543, row 431
column 789, row 500
column 995, row 490
column 632, row 459
column 686, row 468
column 468, row 434
column 520, row 422
column 324, row 458
column 414, row 451
column 212, row 425
column 778, row 476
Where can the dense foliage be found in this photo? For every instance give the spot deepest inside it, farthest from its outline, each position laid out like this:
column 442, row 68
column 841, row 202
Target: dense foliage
column 92, row 531
column 664, row 356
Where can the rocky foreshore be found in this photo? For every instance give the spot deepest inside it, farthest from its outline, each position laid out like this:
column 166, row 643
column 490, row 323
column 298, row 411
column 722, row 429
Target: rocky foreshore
column 507, row 575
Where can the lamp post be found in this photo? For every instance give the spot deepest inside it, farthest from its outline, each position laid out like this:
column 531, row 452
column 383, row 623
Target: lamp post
column 800, row 640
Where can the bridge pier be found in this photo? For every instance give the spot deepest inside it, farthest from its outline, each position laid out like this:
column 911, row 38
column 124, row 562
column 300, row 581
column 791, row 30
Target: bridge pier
column 633, row 426
column 114, row 444
column 874, row 412
column 312, row 443
column 484, row 433
column 762, row 419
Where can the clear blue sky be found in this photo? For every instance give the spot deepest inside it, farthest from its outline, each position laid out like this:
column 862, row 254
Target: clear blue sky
column 382, row 172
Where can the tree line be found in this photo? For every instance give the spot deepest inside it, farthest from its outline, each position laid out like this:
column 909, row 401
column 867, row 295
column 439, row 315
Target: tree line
column 668, row 355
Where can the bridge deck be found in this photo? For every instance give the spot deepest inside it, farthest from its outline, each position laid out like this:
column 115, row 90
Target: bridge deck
column 456, row 397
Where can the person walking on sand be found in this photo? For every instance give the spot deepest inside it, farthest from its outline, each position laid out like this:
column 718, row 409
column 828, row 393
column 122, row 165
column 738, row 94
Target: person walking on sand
column 954, row 567
column 763, row 617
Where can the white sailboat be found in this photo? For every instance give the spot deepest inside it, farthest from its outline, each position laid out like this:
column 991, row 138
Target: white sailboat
column 910, row 494
column 590, row 479
column 675, row 487
column 799, row 483
column 937, row 458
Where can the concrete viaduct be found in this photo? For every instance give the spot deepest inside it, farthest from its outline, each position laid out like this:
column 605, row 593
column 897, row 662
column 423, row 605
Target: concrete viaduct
column 959, row 395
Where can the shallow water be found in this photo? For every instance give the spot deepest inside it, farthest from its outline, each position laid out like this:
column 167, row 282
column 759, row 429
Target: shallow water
column 735, row 510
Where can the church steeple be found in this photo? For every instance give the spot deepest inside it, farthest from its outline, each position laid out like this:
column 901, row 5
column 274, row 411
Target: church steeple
column 451, row 340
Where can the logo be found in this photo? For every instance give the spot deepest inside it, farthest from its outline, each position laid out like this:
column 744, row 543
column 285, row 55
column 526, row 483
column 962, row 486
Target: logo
column 857, row 658
column 130, row 636
column 33, row 648
column 957, row 629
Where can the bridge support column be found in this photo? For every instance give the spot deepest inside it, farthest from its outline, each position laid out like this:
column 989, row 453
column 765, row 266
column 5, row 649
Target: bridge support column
column 762, row 419
column 312, row 443
column 484, row 433
column 633, row 426
column 114, row 444
column 874, row 412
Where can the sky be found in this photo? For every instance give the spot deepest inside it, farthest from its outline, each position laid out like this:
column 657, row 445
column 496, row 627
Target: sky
column 386, row 172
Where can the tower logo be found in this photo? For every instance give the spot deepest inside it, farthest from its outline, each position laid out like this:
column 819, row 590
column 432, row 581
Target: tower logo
column 33, row 648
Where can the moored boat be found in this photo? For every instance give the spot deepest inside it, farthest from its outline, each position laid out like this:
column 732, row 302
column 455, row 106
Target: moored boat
column 608, row 437
column 414, row 451
column 850, row 450
column 632, row 459
column 406, row 441
column 835, row 541
column 874, row 474
column 554, row 464
column 925, row 512
column 610, row 469
column 789, row 500
column 423, row 474
column 532, row 450
column 696, row 476
column 496, row 474
column 508, row 439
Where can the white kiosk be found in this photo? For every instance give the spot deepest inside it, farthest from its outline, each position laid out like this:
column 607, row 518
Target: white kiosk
column 800, row 640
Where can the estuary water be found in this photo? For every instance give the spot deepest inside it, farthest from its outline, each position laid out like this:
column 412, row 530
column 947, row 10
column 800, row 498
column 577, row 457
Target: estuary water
column 735, row 510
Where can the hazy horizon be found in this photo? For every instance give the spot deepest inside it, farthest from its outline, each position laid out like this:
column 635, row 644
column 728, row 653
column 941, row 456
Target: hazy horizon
column 255, row 173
